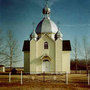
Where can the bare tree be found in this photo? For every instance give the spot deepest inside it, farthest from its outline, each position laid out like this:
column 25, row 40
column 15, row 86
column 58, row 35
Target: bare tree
column 75, row 52
column 86, row 50
column 1, row 40
column 11, row 52
column 1, row 45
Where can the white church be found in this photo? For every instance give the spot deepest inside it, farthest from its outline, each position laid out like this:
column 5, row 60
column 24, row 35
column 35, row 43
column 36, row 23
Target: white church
column 46, row 51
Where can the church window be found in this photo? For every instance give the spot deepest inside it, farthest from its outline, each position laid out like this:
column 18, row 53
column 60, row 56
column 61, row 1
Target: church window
column 46, row 45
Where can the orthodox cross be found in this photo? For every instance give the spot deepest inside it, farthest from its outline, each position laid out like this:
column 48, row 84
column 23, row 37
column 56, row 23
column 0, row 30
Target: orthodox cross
column 33, row 25
column 46, row 2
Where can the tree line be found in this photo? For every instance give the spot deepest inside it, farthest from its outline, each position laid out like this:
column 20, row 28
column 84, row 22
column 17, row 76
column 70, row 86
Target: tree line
column 81, row 64
column 80, row 54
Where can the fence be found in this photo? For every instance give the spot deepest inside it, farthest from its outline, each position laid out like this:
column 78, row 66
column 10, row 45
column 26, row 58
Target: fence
column 78, row 72
column 26, row 78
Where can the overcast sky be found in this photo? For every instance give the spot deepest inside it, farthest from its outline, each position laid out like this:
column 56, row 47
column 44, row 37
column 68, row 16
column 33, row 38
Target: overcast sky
column 18, row 16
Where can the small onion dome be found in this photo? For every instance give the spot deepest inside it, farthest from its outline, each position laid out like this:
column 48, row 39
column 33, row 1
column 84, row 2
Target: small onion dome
column 59, row 34
column 33, row 34
column 46, row 10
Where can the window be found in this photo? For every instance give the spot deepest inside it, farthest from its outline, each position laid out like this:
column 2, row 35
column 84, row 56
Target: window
column 46, row 45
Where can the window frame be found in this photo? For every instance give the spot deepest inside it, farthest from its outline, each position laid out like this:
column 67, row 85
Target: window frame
column 46, row 45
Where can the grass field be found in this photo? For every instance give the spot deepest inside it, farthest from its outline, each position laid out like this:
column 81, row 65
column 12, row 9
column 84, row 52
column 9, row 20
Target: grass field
column 76, row 82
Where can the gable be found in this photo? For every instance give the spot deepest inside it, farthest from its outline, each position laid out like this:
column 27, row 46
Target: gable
column 45, row 36
column 43, row 39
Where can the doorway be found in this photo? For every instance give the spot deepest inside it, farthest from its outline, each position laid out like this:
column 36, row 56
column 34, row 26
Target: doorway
column 46, row 66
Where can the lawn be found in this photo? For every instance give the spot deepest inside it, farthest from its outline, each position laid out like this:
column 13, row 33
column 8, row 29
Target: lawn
column 52, row 82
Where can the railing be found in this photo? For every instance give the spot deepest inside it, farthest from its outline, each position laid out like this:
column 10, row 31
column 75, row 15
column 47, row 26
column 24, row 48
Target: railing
column 41, row 77
column 51, row 77
column 78, row 72
column 51, row 72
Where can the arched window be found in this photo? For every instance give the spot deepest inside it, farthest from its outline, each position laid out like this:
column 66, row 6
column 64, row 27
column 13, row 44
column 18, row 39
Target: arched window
column 46, row 45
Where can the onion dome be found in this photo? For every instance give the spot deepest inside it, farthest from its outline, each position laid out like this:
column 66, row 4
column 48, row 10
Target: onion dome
column 46, row 26
column 59, row 34
column 33, row 35
column 46, row 10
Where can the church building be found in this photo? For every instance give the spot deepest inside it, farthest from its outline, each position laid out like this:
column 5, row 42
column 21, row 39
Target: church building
column 46, row 51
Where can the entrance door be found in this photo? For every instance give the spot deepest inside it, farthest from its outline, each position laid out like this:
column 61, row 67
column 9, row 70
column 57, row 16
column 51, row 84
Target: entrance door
column 46, row 66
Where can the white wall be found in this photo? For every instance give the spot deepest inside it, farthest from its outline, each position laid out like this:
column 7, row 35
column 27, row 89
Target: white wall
column 66, row 61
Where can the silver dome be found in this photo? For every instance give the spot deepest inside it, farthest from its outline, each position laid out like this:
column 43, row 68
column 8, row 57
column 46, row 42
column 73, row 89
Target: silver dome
column 46, row 26
column 33, row 34
column 59, row 34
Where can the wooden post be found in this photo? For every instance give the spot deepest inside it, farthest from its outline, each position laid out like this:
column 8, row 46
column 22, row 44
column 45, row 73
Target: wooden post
column 10, row 77
column 43, row 76
column 88, row 79
column 54, row 77
column 21, row 78
column 33, row 77
column 66, row 78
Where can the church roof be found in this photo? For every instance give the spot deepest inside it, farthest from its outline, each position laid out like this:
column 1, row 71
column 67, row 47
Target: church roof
column 46, row 26
column 66, row 45
column 33, row 34
column 26, row 45
column 1, row 65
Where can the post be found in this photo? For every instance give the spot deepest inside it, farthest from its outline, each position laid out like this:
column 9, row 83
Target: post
column 88, row 79
column 54, row 77
column 43, row 76
column 66, row 78
column 10, row 77
column 21, row 78
column 33, row 77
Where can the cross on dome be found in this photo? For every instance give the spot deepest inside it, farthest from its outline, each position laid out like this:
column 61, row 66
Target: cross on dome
column 46, row 10
column 33, row 25
column 46, row 2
